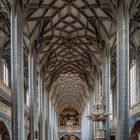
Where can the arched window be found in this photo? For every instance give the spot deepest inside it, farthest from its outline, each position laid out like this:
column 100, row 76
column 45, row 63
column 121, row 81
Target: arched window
column 111, row 105
column 133, row 96
column 27, row 97
column 5, row 73
column 4, row 134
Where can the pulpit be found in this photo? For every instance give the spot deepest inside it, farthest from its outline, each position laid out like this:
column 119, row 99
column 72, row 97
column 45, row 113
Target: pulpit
column 99, row 116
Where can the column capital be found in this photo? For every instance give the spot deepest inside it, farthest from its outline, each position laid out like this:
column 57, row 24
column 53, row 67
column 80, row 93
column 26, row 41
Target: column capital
column 123, row 4
column 122, row 10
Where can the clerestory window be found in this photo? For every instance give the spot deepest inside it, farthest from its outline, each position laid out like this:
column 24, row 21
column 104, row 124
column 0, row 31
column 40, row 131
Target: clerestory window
column 111, row 105
column 5, row 73
column 133, row 94
column 27, row 97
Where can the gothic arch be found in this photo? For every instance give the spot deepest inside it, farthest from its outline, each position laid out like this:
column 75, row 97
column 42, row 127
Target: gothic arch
column 134, row 131
column 28, row 137
column 133, row 122
column 61, row 137
column 5, row 136
column 4, row 128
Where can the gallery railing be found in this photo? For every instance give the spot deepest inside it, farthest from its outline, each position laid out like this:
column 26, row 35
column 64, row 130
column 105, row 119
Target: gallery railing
column 64, row 129
column 5, row 88
column 135, row 109
column 6, row 110
column 99, row 134
column 113, row 123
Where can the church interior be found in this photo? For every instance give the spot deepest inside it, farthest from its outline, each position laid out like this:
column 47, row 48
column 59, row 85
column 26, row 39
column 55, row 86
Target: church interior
column 69, row 69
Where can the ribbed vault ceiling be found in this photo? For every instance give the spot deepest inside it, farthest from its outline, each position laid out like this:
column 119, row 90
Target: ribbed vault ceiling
column 69, row 91
column 69, row 37
column 71, row 34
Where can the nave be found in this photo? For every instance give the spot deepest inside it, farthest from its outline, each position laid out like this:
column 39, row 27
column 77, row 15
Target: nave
column 69, row 69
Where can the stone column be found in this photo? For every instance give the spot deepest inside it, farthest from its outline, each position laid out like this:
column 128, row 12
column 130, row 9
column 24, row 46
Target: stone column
column 106, row 85
column 50, row 136
column 33, row 92
column 122, row 70
column 97, row 91
column 47, row 116
column 56, row 123
column 17, row 84
column 49, row 119
column 91, row 111
column 138, row 74
column 41, row 109
column 1, row 65
column 53, row 132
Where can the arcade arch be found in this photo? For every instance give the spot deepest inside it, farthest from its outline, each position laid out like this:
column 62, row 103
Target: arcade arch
column 4, row 134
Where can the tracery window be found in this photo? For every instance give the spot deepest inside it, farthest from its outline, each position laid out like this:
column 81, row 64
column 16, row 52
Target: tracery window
column 5, row 73
column 111, row 105
column 27, row 97
column 133, row 95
